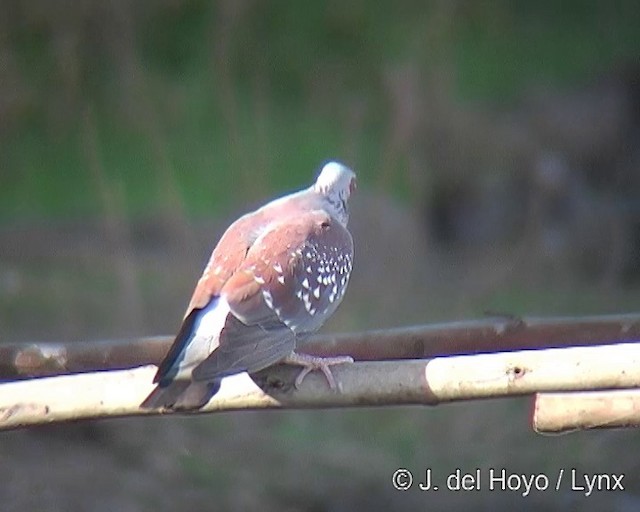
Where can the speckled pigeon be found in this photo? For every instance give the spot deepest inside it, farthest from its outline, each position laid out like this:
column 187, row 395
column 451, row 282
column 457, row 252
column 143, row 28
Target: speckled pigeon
column 274, row 278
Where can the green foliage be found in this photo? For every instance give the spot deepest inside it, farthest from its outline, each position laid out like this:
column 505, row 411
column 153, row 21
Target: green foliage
column 214, row 98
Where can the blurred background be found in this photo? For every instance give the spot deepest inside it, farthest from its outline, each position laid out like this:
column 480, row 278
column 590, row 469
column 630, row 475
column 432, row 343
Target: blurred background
column 497, row 147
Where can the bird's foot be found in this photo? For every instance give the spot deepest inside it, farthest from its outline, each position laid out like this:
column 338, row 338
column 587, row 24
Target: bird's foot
column 311, row 363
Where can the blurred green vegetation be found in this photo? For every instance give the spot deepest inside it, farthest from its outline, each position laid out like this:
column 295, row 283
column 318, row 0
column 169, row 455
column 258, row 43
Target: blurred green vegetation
column 178, row 109
column 192, row 102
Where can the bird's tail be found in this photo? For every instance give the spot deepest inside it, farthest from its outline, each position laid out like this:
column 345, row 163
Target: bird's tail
column 181, row 395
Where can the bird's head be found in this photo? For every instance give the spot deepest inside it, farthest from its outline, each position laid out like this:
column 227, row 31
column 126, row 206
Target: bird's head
column 336, row 183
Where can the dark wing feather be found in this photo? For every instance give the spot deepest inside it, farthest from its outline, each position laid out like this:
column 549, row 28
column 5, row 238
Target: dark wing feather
column 182, row 338
column 245, row 348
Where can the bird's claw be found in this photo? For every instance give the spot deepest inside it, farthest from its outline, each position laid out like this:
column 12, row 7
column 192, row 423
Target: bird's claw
column 311, row 363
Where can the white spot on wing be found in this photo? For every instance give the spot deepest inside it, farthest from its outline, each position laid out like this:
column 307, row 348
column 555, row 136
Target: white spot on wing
column 334, row 293
column 305, row 283
column 281, row 279
column 316, row 292
column 268, row 298
column 307, row 302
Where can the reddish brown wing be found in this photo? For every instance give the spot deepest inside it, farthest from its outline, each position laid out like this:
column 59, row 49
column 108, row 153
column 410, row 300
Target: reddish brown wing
column 291, row 280
column 225, row 259
column 290, row 272
column 227, row 256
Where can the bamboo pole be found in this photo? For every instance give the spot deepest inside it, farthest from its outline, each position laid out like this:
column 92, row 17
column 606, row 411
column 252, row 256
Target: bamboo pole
column 492, row 334
column 556, row 413
column 423, row 381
